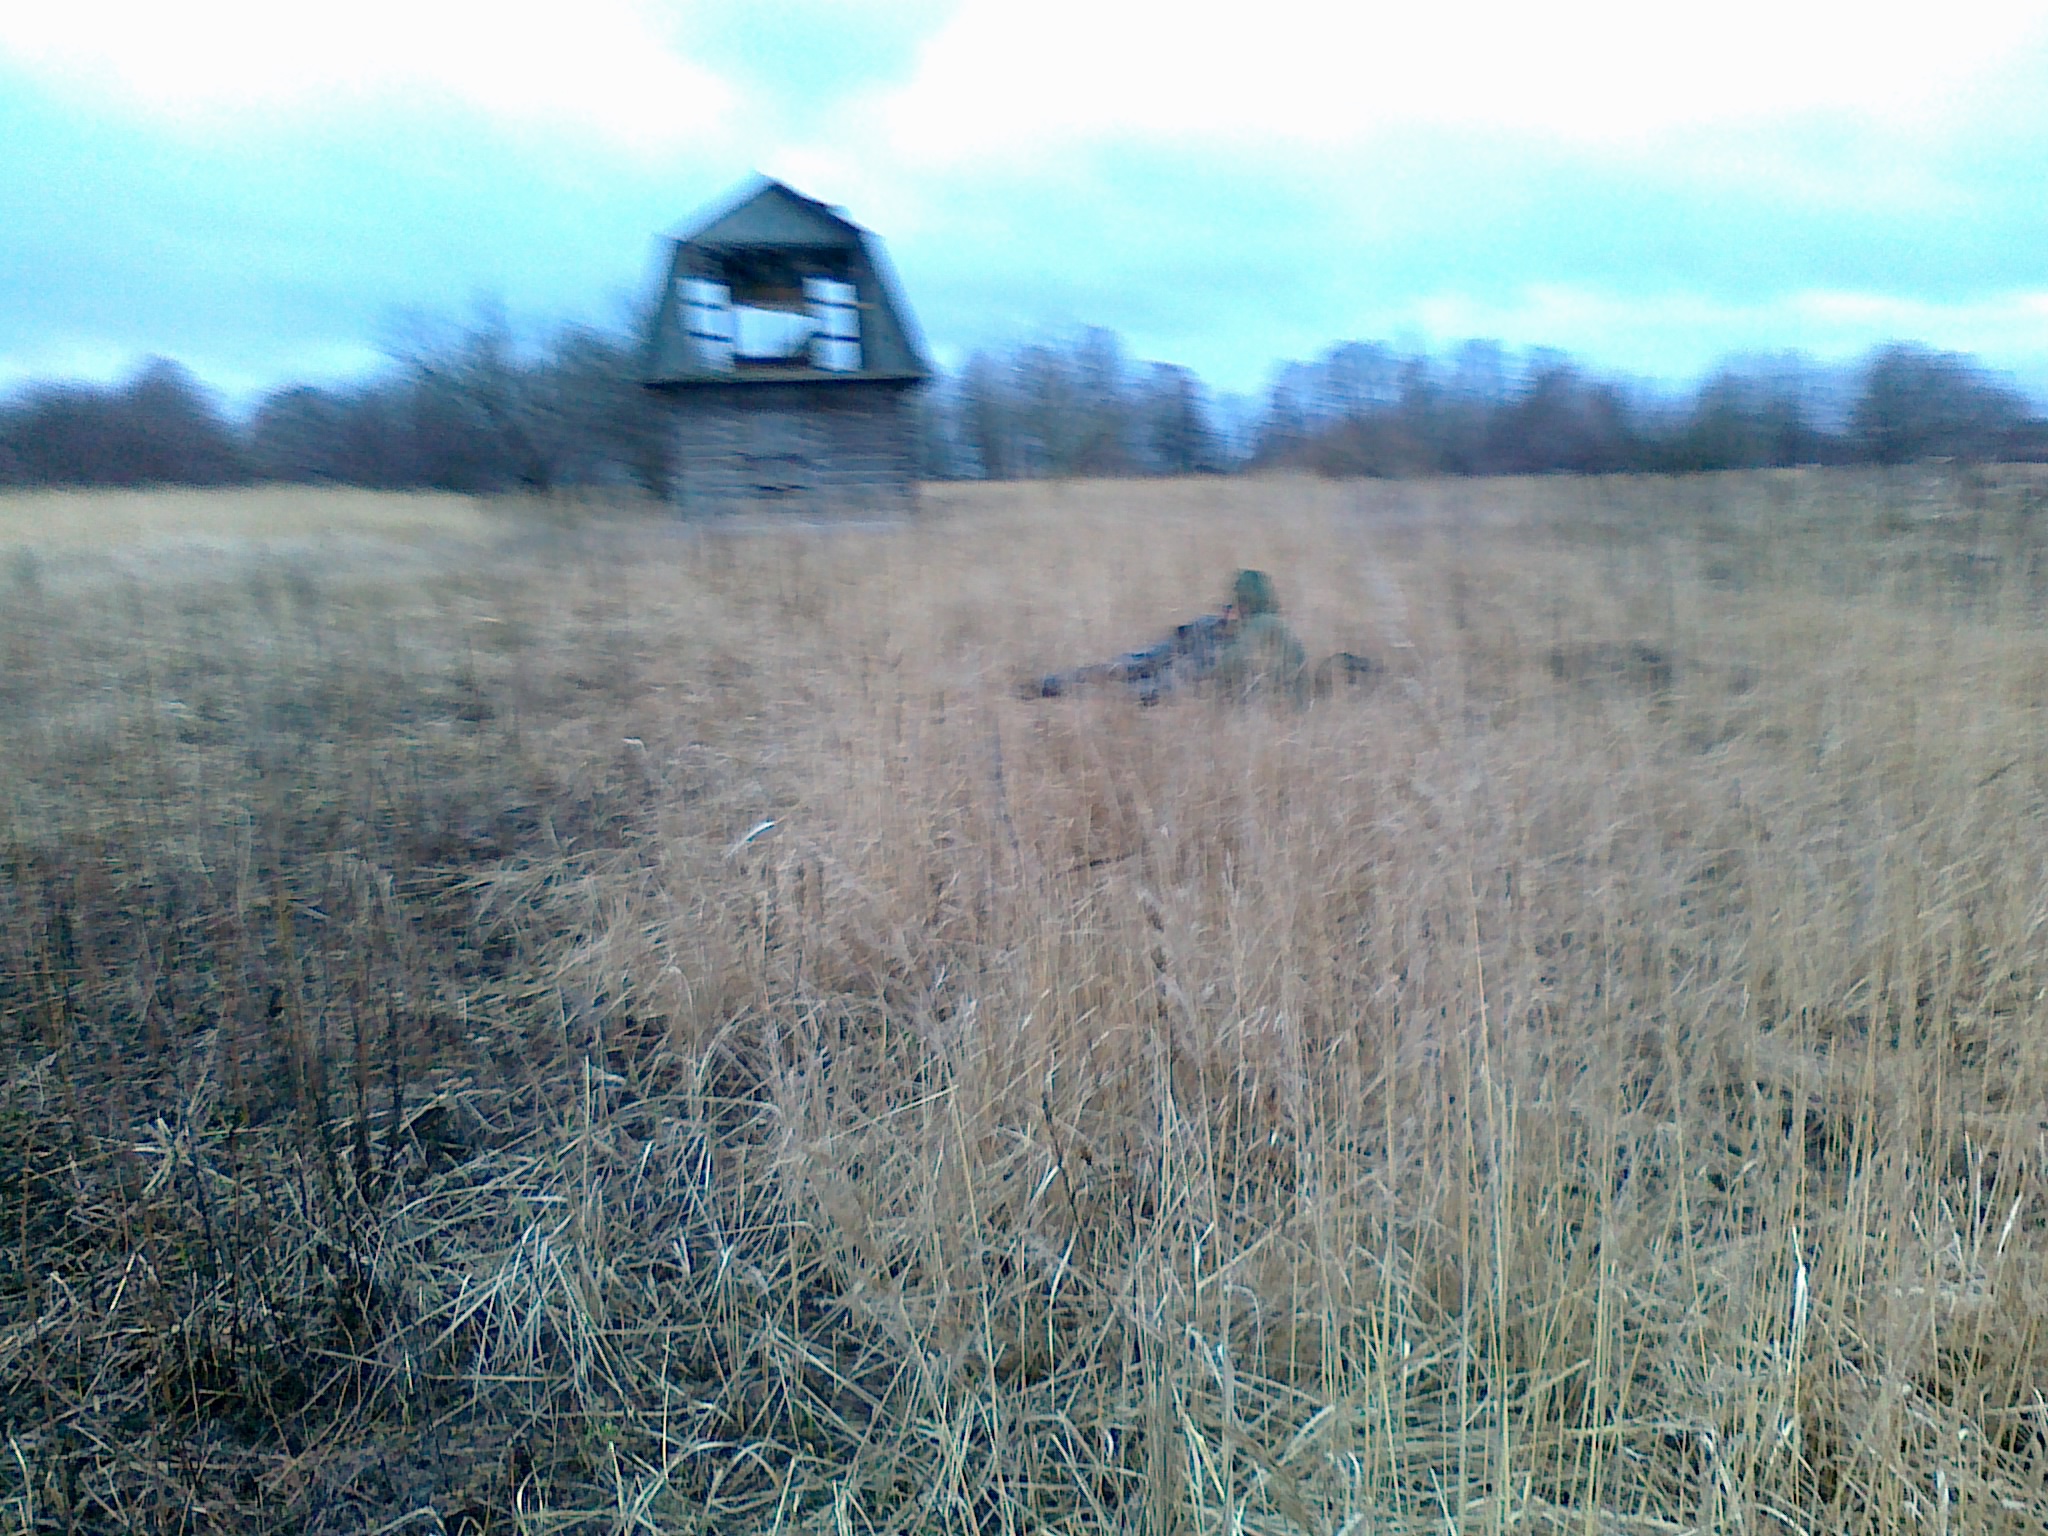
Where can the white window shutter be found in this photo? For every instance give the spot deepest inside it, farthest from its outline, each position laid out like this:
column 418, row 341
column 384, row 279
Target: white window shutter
column 835, row 307
column 707, row 321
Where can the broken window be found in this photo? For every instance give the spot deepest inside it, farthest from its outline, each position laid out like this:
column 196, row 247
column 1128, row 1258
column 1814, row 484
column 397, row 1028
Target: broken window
column 708, row 321
column 835, row 316
column 766, row 315
column 771, row 335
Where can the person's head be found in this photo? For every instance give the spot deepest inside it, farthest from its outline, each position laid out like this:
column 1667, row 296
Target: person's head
column 1252, row 593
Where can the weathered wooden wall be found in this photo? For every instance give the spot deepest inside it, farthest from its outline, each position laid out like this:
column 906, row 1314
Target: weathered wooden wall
column 793, row 447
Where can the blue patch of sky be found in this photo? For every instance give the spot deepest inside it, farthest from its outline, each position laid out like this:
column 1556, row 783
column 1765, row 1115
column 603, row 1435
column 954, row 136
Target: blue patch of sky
column 291, row 244
column 804, row 59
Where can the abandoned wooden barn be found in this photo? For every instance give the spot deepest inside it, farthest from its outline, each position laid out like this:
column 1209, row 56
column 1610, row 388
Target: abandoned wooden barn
column 785, row 357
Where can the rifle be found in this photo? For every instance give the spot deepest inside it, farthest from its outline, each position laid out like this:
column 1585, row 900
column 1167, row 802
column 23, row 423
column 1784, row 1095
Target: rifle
column 1188, row 653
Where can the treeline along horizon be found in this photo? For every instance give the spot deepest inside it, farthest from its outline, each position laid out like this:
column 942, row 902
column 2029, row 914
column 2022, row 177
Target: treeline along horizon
column 467, row 409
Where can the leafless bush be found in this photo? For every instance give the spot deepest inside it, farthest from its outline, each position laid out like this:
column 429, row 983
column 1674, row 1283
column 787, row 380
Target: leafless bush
column 160, row 428
column 465, row 408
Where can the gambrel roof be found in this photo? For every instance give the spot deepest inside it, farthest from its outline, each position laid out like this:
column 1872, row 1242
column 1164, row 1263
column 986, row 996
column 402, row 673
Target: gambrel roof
column 768, row 226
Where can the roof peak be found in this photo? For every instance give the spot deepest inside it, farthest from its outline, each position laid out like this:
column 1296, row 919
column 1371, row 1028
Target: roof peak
column 752, row 191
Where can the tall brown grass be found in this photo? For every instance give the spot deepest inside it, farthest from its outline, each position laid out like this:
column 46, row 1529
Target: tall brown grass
column 629, row 1027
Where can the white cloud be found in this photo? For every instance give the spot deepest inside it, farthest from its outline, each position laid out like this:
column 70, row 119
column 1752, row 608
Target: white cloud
column 1000, row 78
column 1139, row 135
column 91, row 361
column 604, row 65
column 1003, row 77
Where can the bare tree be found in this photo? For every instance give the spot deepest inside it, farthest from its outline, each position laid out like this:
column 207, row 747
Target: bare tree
column 160, row 427
column 1917, row 404
column 1179, row 437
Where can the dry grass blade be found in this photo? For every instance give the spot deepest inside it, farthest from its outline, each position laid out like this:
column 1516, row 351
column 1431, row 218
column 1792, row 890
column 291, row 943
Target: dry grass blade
column 638, row 1028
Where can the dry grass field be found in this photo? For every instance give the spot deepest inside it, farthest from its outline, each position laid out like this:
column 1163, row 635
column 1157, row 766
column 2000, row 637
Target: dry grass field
column 542, row 1023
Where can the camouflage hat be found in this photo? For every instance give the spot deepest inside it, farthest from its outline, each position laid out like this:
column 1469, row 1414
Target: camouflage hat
column 1252, row 593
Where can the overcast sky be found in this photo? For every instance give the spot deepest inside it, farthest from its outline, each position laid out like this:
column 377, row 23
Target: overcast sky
column 261, row 189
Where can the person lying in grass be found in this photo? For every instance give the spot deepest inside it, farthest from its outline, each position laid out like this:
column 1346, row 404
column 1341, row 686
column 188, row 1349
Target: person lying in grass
column 1244, row 651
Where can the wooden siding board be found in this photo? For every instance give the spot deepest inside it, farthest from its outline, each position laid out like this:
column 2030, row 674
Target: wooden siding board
column 795, row 447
